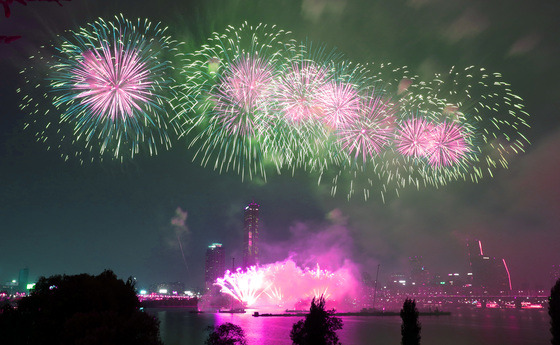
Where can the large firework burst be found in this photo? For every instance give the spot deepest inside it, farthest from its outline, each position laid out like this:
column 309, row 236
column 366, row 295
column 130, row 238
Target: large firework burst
column 110, row 82
column 224, row 98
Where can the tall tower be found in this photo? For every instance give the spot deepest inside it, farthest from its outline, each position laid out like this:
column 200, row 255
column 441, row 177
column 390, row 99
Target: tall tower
column 251, row 235
column 215, row 264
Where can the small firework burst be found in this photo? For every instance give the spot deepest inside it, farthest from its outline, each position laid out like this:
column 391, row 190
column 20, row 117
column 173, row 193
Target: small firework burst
column 370, row 132
column 414, row 137
column 297, row 91
column 240, row 98
column 448, row 146
column 338, row 103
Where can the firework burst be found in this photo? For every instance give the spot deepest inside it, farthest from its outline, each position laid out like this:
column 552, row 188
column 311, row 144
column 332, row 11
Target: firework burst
column 252, row 99
column 285, row 284
column 240, row 98
column 297, row 91
column 224, row 100
column 246, row 287
column 371, row 131
column 414, row 137
column 110, row 81
column 448, row 145
column 477, row 126
column 493, row 109
column 338, row 104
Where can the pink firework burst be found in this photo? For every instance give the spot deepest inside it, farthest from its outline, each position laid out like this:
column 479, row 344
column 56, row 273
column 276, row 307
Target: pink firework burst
column 414, row 137
column 112, row 82
column 369, row 133
column 339, row 104
column 448, row 145
column 297, row 90
column 241, row 96
column 246, row 286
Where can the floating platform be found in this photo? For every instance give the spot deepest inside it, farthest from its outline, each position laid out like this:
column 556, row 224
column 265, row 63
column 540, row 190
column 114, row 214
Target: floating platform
column 233, row 311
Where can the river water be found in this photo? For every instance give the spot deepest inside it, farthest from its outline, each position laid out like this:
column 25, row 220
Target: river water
column 464, row 326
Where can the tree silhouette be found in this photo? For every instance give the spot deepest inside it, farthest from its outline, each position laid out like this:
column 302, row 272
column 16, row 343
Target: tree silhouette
column 554, row 312
column 410, row 328
column 319, row 326
column 226, row 334
column 80, row 309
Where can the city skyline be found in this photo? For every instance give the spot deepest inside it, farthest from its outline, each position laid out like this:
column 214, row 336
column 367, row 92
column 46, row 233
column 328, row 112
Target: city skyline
column 486, row 274
column 62, row 216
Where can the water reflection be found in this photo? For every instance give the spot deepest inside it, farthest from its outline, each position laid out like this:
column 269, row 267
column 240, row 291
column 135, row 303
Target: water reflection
column 464, row 327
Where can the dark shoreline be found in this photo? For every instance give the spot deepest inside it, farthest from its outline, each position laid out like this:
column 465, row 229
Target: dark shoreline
column 380, row 313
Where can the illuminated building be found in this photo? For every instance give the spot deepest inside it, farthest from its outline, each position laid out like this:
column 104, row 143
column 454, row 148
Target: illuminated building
column 251, row 235
column 170, row 288
column 488, row 273
column 23, row 279
column 215, row 264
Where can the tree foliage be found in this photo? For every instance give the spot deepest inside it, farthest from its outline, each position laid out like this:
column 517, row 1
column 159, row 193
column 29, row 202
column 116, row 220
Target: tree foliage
column 554, row 312
column 319, row 326
column 80, row 309
column 226, row 334
column 410, row 328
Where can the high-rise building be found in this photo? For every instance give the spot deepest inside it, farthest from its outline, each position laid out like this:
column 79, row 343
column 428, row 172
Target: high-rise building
column 215, row 264
column 23, row 279
column 251, row 235
column 488, row 273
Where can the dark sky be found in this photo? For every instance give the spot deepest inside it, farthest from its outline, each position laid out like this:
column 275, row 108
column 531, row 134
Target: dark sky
column 63, row 217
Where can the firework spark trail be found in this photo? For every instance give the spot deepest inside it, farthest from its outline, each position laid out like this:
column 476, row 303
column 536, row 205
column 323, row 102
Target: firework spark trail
column 179, row 226
column 183, row 253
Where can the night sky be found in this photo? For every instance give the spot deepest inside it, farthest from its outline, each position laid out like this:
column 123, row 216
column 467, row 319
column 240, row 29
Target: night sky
column 62, row 217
